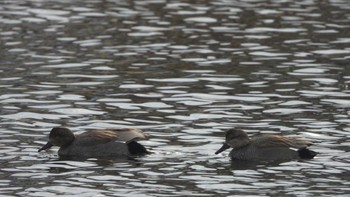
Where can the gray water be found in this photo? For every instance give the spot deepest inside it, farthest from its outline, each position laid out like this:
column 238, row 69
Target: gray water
column 184, row 72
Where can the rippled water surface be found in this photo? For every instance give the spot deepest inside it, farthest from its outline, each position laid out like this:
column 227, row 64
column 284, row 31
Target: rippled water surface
column 184, row 72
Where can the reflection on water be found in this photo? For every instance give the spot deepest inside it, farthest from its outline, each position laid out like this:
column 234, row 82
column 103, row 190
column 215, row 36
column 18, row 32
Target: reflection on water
column 183, row 71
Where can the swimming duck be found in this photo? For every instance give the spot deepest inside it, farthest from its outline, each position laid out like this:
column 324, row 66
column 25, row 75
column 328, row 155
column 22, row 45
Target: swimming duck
column 96, row 143
column 266, row 147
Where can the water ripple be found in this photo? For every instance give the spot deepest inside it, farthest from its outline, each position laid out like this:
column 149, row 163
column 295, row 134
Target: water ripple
column 184, row 72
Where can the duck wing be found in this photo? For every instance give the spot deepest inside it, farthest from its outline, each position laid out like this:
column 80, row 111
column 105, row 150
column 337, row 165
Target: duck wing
column 107, row 135
column 128, row 135
column 270, row 141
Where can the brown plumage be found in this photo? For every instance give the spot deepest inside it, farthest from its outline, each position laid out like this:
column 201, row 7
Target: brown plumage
column 268, row 140
column 107, row 135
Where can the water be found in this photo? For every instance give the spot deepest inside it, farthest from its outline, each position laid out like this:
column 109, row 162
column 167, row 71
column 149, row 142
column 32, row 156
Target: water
column 183, row 71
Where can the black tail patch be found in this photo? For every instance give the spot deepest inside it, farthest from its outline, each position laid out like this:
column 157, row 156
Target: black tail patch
column 136, row 149
column 305, row 153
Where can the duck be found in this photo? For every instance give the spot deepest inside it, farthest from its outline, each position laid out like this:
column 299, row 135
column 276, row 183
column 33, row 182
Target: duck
column 96, row 143
column 265, row 147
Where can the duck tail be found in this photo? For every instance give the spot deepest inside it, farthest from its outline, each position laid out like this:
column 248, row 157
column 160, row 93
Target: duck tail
column 305, row 153
column 136, row 148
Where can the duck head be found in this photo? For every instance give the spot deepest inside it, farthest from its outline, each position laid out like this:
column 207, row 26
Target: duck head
column 234, row 138
column 60, row 137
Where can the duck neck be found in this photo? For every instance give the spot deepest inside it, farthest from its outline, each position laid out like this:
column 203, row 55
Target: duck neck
column 71, row 141
column 67, row 142
column 241, row 142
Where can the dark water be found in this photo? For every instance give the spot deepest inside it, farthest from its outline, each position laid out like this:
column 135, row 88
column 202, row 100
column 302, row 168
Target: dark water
column 183, row 71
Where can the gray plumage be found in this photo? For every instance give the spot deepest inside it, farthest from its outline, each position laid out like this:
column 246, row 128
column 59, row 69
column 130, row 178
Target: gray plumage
column 96, row 143
column 266, row 147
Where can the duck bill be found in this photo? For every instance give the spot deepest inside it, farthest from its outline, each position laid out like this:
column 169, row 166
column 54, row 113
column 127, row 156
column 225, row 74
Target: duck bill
column 223, row 147
column 46, row 146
